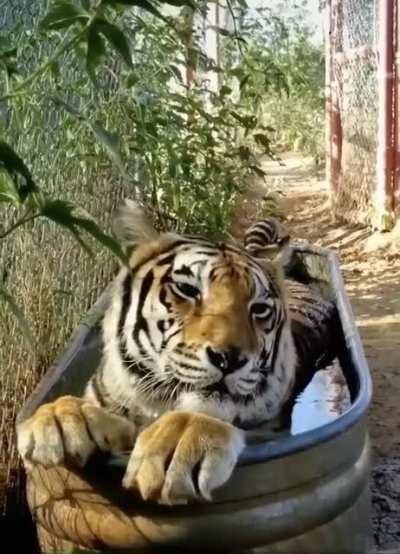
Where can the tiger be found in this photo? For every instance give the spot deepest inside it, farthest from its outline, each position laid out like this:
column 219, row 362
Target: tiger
column 264, row 235
column 198, row 345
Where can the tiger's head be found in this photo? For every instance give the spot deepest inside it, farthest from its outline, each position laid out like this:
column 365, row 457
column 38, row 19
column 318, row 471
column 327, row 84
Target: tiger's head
column 197, row 324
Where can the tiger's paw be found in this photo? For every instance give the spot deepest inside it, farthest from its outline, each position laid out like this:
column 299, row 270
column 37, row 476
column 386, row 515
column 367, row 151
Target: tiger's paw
column 69, row 430
column 183, row 456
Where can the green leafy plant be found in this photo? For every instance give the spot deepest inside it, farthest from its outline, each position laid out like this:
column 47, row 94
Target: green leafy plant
column 113, row 72
column 282, row 76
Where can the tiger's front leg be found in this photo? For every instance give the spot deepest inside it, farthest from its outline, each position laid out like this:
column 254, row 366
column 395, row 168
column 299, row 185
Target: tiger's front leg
column 183, row 456
column 69, row 430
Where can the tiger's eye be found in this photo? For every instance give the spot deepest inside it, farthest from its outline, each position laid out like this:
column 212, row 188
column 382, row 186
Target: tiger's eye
column 186, row 290
column 260, row 309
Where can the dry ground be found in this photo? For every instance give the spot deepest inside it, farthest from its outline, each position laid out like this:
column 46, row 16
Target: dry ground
column 372, row 278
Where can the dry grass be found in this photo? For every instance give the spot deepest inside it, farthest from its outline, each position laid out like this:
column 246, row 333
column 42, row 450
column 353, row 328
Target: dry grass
column 54, row 282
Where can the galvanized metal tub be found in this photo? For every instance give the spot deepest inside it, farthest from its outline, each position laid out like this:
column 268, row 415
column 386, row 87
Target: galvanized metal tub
column 306, row 493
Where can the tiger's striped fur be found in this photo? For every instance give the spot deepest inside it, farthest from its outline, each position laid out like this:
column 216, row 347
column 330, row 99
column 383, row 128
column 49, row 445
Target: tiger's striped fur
column 313, row 318
column 200, row 338
column 267, row 234
column 199, row 326
column 180, row 332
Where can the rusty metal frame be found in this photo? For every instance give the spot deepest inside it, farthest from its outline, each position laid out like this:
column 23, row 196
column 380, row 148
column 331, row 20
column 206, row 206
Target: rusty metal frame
column 387, row 193
column 386, row 113
column 328, row 83
column 396, row 177
column 334, row 135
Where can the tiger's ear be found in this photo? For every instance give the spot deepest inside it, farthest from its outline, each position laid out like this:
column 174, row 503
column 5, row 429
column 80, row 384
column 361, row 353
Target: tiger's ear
column 132, row 225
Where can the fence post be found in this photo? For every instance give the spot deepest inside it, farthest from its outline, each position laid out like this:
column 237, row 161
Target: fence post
column 396, row 179
column 385, row 152
column 333, row 117
column 328, row 95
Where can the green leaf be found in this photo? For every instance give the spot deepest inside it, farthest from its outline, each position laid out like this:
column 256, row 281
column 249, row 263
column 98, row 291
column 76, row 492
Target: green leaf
column 236, row 72
column 63, row 14
column 224, row 91
column 110, row 141
column 144, row 4
column 244, row 153
column 75, row 220
column 17, row 312
column 6, row 53
column 180, row 3
column 263, row 140
column 11, row 69
column 70, row 109
column 4, row 43
column 219, row 30
column 109, row 242
column 244, row 81
column 95, row 50
column 268, row 128
column 11, row 162
column 175, row 70
column 61, row 212
column 258, row 171
column 115, row 38
column 55, row 69
column 132, row 80
column 227, row 33
column 8, row 190
column 5, row 114
column 248, row 121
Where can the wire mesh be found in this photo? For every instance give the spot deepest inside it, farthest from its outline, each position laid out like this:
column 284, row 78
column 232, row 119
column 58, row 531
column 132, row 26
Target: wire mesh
column 355, row 85
column 49, row 275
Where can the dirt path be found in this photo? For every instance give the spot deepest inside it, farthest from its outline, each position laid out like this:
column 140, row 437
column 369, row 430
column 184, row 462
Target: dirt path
column 373, row 284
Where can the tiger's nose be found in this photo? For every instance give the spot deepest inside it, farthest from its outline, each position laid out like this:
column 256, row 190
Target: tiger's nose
column 226, row 360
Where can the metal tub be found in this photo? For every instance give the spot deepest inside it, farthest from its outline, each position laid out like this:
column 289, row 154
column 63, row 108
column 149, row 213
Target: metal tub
column 306, row 493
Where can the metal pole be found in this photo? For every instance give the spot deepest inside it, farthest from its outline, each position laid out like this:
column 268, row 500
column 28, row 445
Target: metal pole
column 335, row 123
column 328, row 96
column 385, row 152
column 396, row 179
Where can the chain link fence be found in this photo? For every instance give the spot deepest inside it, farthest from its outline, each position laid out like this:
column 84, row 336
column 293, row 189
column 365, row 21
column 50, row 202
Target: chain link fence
column 354, row 106
column 51, row 278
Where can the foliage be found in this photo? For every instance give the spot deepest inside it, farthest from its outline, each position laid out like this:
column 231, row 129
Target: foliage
column 110, row 83
column 182, row 138
column 284, row 76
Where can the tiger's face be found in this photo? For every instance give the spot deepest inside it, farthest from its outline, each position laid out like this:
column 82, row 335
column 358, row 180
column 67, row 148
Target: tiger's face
column 201, row 318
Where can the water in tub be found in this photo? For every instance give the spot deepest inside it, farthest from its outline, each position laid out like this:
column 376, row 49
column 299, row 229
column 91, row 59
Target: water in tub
column 324, row 399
